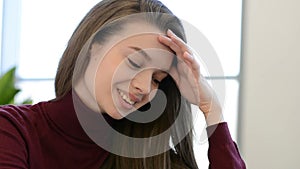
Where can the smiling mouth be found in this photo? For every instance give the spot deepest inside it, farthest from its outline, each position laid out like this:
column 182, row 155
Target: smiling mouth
column 126, row 98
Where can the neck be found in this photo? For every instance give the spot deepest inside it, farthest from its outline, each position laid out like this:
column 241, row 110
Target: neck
column 86, row 96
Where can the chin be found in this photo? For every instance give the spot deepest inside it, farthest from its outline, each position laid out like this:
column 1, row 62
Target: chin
column 115, row 115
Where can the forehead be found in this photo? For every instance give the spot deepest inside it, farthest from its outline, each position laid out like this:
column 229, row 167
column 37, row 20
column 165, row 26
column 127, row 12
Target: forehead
column 150, row 49
column 145, row 41
column 141, row 36
column 141, row 32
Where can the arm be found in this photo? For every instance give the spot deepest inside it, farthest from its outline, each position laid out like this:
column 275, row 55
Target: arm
column 13, row 153
column 223, row 152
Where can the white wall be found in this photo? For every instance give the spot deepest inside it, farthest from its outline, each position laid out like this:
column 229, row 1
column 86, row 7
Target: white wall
column 270, row 130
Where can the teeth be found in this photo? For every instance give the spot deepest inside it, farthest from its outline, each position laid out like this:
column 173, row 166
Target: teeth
column 125, row 98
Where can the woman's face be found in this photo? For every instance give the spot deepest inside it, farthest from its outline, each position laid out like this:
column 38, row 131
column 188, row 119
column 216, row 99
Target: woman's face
column 128, row 74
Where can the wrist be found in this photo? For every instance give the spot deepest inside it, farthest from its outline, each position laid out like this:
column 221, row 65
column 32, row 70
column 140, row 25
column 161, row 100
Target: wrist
column 213, row 116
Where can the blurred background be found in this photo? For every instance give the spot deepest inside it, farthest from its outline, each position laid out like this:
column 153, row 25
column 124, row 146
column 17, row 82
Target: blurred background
column 257, row 43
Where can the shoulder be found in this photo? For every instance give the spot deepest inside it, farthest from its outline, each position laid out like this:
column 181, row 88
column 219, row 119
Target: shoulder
column 17, row 113
column 18, row 124
column 21, row 117
column 15, row 133
column 14, row 114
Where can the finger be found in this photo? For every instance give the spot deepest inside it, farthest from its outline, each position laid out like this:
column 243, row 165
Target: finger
column 188, row 57
column 181, row 55
column 179, row 42
column 170, row 43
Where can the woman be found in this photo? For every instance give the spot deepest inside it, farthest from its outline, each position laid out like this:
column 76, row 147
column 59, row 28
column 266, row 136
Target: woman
column 119, row 64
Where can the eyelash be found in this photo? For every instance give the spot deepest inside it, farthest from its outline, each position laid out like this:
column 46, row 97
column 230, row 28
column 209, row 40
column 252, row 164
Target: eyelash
column 132, row 63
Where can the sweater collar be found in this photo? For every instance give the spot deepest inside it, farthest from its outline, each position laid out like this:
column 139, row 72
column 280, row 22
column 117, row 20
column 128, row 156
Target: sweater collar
column 75, row 119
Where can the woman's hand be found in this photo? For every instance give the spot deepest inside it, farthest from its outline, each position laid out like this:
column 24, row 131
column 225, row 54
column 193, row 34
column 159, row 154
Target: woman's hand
column 192, row 85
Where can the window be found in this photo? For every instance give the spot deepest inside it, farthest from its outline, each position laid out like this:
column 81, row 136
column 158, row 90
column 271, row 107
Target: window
column 220, row 22
column 1, row 12
column 35, row 34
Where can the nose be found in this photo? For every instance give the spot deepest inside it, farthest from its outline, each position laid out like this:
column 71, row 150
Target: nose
column 142, row 82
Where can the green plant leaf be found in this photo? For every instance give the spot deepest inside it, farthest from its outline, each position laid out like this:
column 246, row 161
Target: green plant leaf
column 8, row 90
column 7, row 87
column 27, row 101
column 8, row 96
column 7, row 80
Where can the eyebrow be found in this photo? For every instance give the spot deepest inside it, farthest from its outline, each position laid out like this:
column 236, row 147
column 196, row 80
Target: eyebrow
column 141, row 51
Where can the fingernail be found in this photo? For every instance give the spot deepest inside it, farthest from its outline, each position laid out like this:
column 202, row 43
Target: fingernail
column 170, row 31
column 187, row 54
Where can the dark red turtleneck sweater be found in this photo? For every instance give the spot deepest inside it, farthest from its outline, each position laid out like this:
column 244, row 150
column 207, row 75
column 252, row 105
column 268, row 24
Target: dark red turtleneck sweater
column 48, row 135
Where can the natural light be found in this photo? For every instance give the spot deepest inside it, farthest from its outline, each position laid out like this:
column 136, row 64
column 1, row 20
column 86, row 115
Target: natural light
column 46, row 27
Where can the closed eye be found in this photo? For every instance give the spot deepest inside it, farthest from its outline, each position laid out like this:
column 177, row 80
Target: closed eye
column 133, row 64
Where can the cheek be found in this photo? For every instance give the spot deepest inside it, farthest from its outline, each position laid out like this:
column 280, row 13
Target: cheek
column 122, row 73
column 111, row 70
column 103, row 77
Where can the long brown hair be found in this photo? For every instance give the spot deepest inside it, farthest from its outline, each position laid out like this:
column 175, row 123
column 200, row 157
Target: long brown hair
column 181, row 156
column 101, row 16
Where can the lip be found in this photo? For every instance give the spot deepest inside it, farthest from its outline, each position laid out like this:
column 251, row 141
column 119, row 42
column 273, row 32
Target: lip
column 134, row 98
column 123, row 103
